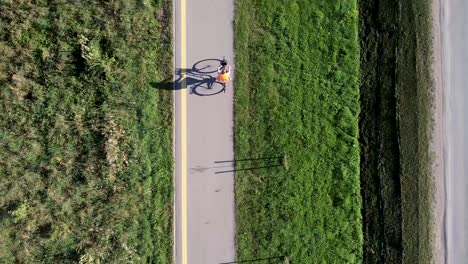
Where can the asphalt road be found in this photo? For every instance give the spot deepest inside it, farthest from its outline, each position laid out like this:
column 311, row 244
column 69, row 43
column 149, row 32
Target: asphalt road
column 204, row 151
column 454, row 28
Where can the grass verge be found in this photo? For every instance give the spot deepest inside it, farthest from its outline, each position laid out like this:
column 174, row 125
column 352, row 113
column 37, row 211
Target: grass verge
column 297, row 102
column 85, row 139
column 380, row 152
column 415, row 96
column 395, row 127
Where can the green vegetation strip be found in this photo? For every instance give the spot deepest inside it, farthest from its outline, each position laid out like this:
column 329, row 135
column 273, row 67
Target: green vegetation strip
column 296, row 114
column 85, row 139
column 415, row 97
column 380, row 153
column 396, row 99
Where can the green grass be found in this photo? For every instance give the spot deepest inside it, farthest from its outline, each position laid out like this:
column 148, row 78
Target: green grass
column 85, row 139
column 396, row 98
column 415, row 97
column 380, row 152
column 297, row 98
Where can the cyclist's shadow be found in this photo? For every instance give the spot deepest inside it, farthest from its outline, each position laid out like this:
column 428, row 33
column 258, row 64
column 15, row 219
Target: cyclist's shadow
column 198, row 80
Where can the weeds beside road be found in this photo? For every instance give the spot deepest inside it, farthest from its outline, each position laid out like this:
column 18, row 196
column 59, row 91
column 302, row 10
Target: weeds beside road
column 297, row 95
column 85, row 140
column 380, row 152
column 415, row 98
column 395, row 128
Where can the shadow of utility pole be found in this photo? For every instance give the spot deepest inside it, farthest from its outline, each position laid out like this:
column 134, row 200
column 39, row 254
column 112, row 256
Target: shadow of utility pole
column 254, row 159
column 254, row 164
column 243, row 169
column 283, row 259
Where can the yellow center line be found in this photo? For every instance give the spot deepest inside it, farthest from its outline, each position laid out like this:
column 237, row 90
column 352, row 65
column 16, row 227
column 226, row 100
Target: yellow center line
column 183, row 127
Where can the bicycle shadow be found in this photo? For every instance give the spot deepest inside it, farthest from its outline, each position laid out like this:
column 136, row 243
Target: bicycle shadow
column 199, row 79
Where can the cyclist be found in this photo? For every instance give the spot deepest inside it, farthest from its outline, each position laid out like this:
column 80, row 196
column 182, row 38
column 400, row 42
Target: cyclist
column 224, row 72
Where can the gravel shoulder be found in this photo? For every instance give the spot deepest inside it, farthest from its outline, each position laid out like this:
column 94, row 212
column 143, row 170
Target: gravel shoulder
column 438, row 133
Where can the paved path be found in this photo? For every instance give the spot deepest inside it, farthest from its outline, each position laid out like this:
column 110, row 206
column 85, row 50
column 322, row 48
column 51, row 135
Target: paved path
column 204, row 181
column 454, row 28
